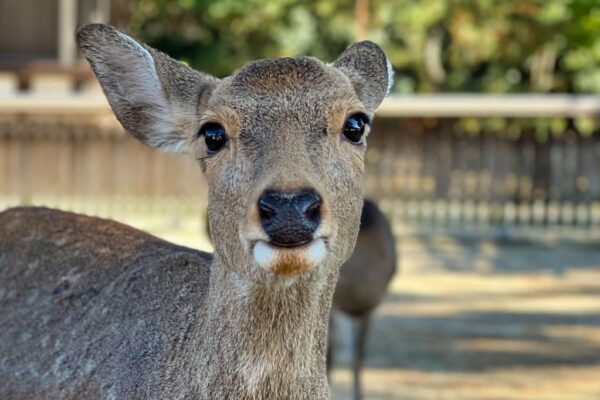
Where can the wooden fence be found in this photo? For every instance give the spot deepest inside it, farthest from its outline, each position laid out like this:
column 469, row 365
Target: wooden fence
column 430, row 171
column 425, row 171
column 85, row 161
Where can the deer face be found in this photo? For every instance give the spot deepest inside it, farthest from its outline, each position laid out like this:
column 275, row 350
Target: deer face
column 281, row 143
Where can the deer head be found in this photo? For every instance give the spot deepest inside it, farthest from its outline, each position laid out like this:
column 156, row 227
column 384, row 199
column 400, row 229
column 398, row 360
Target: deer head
column 281, row 142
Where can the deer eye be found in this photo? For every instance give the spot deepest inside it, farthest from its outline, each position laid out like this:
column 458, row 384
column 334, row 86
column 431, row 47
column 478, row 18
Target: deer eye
column 214, row 136
column 354, row 128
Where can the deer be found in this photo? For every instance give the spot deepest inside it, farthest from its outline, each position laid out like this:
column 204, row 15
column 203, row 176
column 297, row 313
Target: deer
column 362, row 284
column 93, row 309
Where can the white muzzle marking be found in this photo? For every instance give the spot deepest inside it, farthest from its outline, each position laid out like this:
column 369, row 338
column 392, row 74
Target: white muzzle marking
column 269, row 257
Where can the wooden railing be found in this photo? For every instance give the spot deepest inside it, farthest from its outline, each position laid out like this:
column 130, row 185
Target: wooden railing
column 429, row 172
column 424, row 168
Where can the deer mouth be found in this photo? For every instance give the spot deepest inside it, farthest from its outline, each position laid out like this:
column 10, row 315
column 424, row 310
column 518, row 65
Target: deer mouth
column 285, row 245
column 289, row 260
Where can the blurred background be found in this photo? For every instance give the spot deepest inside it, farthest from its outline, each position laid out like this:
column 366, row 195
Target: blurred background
column 485, row 159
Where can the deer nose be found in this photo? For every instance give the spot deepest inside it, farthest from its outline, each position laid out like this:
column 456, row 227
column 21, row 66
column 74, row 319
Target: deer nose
column 290, row 219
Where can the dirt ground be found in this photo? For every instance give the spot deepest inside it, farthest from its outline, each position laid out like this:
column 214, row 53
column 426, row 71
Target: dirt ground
column 479, row 320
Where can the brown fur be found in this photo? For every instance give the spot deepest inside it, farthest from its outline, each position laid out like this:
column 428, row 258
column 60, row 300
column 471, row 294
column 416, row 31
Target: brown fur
column 145, row 319
column 290, row 265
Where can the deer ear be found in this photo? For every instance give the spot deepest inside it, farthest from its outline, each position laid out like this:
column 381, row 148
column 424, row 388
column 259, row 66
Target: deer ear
column 154, row 97
column 369, row 71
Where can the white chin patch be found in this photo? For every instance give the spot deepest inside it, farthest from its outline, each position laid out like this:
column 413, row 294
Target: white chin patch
column 264, row 255
column 316, row 252
column 289, row 261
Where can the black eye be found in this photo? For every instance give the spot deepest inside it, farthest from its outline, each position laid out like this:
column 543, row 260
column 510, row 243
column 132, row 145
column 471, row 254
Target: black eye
column 354, row 128
column 214, row 136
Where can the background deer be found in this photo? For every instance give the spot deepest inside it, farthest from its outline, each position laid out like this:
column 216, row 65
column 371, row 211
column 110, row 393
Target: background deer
column 362, row 283
column 92, row 309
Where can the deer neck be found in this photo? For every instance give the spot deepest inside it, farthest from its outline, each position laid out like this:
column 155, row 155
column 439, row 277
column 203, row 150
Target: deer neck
column 270, row 338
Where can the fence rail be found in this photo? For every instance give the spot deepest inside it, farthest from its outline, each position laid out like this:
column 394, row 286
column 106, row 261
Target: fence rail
column 414, row 106
column 471, row 105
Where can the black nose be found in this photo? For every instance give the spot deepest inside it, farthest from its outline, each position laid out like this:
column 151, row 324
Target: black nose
column 290, row 219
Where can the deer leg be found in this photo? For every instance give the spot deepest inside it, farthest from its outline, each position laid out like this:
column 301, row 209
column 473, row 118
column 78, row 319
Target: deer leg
column 359, row 336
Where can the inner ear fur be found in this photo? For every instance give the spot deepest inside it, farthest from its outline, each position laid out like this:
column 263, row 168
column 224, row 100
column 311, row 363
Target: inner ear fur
column 369, row 71
column 156, row 98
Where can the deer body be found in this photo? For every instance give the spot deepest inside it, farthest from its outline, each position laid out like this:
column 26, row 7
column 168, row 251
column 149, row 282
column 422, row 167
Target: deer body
column 95, row 309
column 66, row 337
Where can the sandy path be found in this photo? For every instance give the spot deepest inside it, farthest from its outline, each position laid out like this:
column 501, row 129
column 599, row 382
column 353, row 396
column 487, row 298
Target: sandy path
column 477, row 319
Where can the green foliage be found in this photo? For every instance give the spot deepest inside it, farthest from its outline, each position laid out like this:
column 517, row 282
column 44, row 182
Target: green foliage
column 435, row 45
column 219, row 36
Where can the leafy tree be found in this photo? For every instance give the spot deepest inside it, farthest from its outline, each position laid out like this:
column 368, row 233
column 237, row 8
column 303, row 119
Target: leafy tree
column 434, row 45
